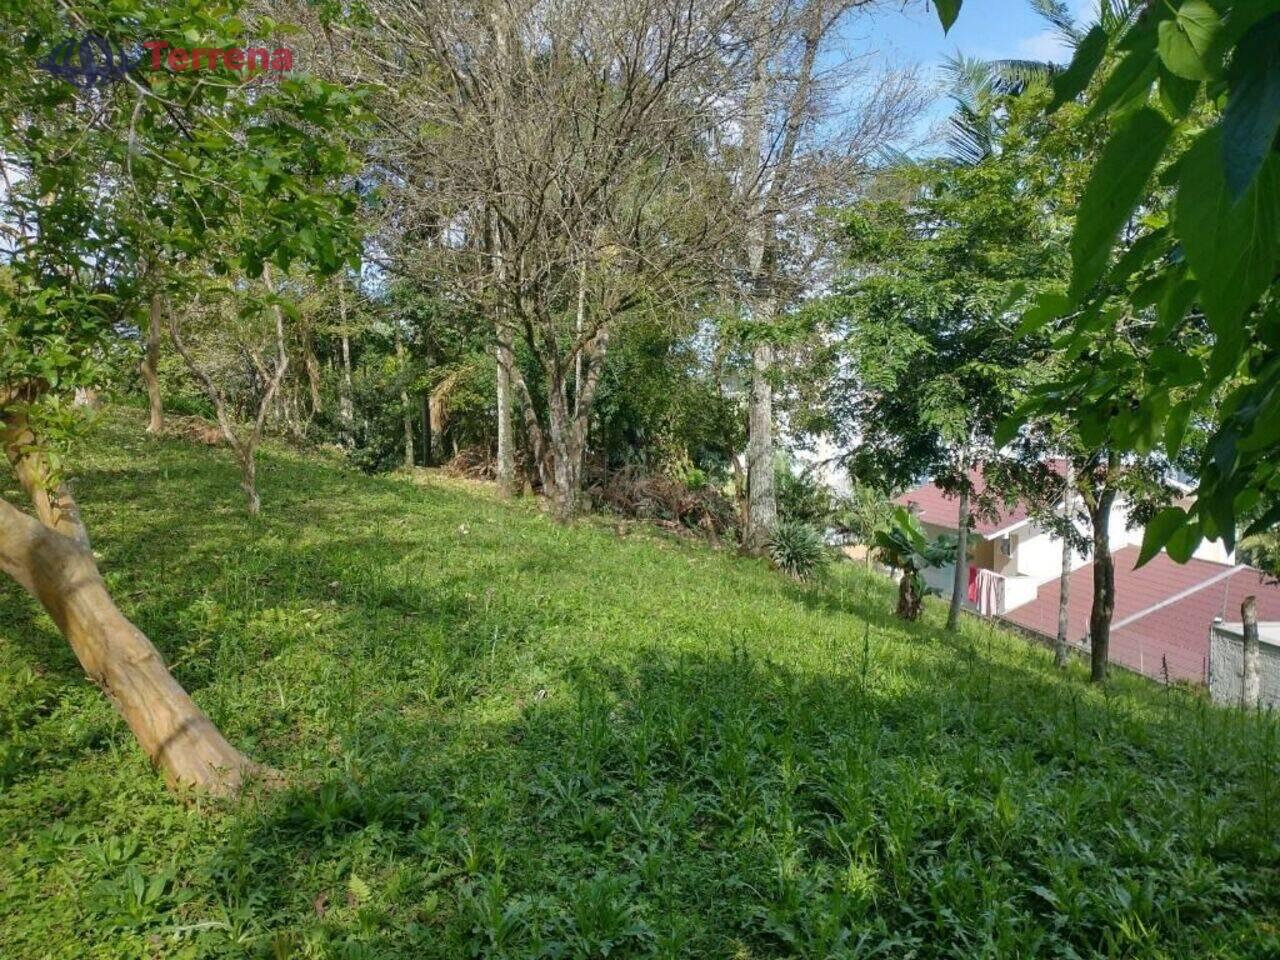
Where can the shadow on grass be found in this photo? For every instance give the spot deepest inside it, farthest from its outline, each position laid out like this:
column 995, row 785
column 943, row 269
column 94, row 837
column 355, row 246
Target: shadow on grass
column 700, row 805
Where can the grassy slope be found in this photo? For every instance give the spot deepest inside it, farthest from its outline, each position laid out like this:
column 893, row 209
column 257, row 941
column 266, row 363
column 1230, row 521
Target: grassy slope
column 512, row 739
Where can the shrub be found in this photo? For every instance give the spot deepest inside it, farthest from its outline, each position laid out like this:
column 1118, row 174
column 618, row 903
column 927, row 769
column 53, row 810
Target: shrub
column 797, row 549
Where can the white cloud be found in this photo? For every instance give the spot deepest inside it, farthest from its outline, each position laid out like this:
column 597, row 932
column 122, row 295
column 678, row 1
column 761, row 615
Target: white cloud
column 1048, row 45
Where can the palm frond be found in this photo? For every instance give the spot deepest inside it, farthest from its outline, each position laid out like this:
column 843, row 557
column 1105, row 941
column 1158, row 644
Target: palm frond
column 1059, row 16
column 1116, row 16
column 976, row 87
column 971, row 136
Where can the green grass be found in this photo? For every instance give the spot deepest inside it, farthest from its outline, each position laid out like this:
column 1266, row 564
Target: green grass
column 511, row 739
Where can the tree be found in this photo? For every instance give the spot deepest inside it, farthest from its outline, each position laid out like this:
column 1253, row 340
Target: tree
column 1251, row 677
column 570, row 146
column 243, row 443
column 924, row 364
column 798, row 152
column 80, row 184
column 1205, row 274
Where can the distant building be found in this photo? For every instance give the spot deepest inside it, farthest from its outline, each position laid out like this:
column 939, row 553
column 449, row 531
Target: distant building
column 1164, row 611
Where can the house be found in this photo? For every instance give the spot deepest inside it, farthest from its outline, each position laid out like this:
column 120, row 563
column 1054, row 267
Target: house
column 1164, row 613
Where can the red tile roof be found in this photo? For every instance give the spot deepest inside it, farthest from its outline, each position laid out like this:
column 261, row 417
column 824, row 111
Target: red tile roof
column 1185, row 597
column 933, row 506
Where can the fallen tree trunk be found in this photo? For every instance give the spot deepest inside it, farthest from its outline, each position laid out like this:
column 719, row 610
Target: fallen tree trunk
column 61, row 574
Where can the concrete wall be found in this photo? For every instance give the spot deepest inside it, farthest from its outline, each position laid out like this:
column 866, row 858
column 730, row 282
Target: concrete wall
column 1226, row 663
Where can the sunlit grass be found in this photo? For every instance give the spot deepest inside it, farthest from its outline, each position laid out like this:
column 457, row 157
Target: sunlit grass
column 508, row 738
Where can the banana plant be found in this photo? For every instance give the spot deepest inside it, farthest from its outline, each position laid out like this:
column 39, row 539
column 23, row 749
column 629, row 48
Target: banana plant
column 904, row 545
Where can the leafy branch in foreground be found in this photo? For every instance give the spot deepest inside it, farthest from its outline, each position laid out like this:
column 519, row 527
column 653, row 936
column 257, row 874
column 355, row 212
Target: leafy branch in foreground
column 1192, row 93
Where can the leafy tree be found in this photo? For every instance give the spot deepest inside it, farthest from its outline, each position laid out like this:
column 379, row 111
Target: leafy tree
column 102, row 185
column 926, row 364
column 1200, row 277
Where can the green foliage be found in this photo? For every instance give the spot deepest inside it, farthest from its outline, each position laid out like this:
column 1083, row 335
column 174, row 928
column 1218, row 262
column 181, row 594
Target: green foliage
column 924, row 362
column 158, row 182
column 1201, row 282
column 797, row 549
column 803, row 498
column 1118, row 182
column 492, row 754
column 660, row 405
column 904, row 545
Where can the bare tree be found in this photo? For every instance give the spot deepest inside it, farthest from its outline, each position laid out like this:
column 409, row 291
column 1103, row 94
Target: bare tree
column 243, row 443
column 800, row 147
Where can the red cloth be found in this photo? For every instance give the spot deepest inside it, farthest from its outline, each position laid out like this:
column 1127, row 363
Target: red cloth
column 973, row 584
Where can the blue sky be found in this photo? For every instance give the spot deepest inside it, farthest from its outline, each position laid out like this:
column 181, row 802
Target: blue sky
column 987, row 29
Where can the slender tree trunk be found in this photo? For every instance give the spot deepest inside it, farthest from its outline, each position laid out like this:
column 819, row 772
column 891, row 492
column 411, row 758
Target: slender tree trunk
column 1060, row 648
column 960, row 584
column 762, row 504
column 180, row 740
column 150, row 367
column 541, row 448
column 1251, row 679
column 564, row 495
column 579, row 324
column 244, row 448
column 313, row 370
column 762, row 507
column 406, row 412
column 506, row 467
column 499, row 22
column 1104, row 587
column 428, row 438
column 346, row 409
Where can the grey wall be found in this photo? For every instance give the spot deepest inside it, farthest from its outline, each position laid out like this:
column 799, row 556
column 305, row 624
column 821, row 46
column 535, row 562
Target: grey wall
column 1226, row 666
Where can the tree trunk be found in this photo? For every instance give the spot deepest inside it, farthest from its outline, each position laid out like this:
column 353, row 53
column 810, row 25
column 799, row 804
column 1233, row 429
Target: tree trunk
column 249, row 479
column 54, row 505
column 313, row 370
column 542, row 456
column 1251, row 679
column 243, row 448
column 762, row 508
column 960, row 584
column 180, row 740
column 406, row 412
column 428, row 438
column 1060, row 649
column 346, row 409
column 150, row 367
column 564, row 493
column 1104, row 587
column 506, row 467
column 908, row 597
column 762, row 505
